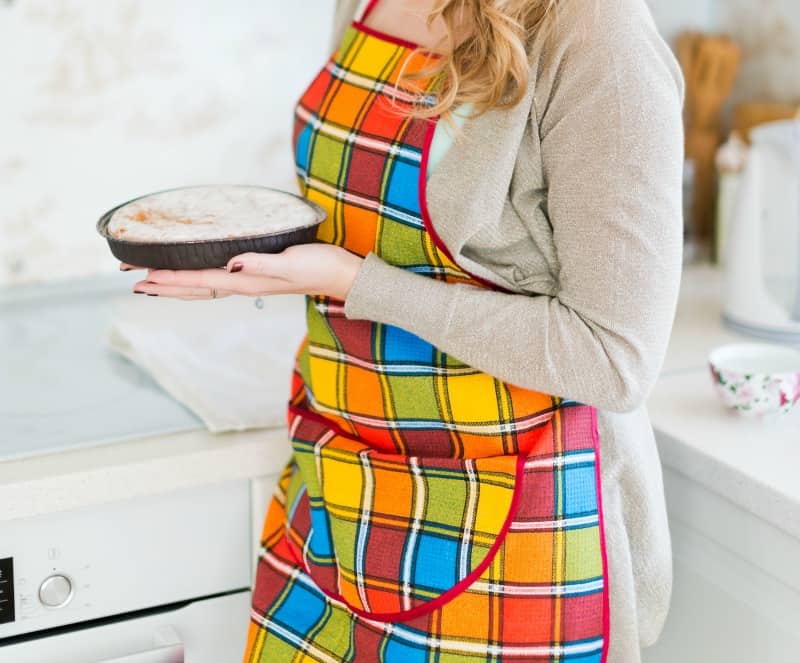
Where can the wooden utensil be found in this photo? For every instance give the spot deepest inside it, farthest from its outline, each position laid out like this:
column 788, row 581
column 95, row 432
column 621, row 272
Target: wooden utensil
column 711, row 76
column 751, row 114
column 710, row 67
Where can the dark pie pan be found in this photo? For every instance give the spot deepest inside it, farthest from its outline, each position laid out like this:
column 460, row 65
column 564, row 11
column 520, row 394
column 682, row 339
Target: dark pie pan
column 202, row 254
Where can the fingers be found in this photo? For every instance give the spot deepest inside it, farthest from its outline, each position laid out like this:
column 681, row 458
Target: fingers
column 179, row 292
column 272, row 265
column 195, row 278
column 203, row 280
column 246, row 274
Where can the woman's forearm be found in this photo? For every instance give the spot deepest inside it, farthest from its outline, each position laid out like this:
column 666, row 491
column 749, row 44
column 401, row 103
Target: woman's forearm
column 535, row 342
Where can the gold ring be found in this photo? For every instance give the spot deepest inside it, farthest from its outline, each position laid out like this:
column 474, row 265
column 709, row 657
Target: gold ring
column 213, row 293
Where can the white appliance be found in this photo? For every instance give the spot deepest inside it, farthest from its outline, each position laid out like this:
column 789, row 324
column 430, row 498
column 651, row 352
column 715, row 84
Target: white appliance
column 159, row 579
column 762, row 253
column 163, row 579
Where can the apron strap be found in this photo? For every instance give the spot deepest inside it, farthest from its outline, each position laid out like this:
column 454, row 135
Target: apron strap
column 370, row 5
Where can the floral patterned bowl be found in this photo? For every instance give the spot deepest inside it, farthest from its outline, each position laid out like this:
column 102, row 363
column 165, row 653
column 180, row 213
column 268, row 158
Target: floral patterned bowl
column 757, row 379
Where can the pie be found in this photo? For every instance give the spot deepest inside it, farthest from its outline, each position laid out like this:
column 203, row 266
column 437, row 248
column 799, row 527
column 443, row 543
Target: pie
column 209, row 213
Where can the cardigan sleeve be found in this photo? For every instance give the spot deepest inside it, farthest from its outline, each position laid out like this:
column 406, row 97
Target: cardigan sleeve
column 608, row 111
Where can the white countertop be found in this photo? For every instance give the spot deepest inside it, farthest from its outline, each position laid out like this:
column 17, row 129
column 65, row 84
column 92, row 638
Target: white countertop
column 94, row 475
column 82, row 425
column 751, row 463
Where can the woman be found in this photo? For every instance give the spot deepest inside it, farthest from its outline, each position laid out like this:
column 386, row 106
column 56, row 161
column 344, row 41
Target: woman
column 487, row 310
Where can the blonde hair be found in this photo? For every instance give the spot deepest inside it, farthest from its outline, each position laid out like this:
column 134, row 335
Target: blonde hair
column 483, row 58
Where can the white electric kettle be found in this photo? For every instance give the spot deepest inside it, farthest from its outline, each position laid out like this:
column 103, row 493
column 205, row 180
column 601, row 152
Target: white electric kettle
column 762, row 252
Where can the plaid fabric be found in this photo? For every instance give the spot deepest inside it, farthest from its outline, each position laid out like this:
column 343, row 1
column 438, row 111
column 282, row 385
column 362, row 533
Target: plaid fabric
column 430, row 512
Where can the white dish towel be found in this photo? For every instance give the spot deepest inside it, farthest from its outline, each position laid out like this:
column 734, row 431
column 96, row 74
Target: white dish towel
column 225, row 359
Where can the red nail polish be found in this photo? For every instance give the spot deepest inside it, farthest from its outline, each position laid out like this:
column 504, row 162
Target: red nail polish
column 125, row 269
column 152, row 294
column 139, row 292
column 237, row 267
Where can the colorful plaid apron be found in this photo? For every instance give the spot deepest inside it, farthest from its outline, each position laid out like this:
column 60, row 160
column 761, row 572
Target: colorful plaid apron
column 430, row 512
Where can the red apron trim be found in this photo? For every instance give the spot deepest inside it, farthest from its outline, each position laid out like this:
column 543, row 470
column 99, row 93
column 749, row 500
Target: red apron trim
column 602, row 528
column 426, row 217
column 359, row 23
column 321, row 419
column 372, row 4
column 384, row 36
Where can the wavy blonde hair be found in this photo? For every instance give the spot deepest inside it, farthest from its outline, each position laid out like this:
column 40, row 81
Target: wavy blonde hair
column 482, row 59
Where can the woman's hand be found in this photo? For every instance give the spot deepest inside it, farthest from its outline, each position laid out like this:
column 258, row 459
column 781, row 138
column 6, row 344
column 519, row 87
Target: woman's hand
column 308, row 269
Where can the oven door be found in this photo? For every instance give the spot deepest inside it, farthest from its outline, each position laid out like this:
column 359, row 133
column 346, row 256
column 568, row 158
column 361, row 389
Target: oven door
column 211, row 630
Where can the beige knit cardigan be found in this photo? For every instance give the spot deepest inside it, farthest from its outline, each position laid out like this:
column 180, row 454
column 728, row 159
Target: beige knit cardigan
column 572, row 201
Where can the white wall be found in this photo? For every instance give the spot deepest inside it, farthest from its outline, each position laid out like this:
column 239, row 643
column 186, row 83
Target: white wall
column 767, row 30
column 103, row 100
column 675, row 15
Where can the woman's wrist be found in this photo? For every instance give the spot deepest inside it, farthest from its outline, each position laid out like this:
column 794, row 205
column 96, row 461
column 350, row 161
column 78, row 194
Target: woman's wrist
column 346, row 274
column 370, row 292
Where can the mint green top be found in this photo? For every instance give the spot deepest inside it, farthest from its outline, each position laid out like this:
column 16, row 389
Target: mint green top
column 443, row 137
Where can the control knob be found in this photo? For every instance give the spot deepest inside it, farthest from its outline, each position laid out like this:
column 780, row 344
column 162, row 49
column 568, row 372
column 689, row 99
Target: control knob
column 55, row 591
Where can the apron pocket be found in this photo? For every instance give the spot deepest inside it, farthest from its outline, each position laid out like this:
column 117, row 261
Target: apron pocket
column 406, row 534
